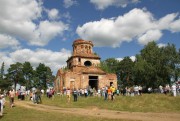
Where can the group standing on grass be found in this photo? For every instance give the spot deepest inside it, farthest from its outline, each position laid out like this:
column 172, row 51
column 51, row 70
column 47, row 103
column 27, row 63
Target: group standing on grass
column 108, row 92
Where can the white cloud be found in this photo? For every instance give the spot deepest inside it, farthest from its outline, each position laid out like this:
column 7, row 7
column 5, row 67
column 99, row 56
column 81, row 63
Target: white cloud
column 175, row 26
column 161, row 45
column 8, row 41
column 17, row 19
column 103, row 4
column 48, row 30
column 119, row 59
column 137, row 24
column 164, row 22
column 69, row 3
column 53, row 14
column 150, row 35
column 133, row 58
column 54, row 60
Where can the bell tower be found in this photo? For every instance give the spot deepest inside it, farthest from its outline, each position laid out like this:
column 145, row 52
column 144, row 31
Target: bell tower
column 82, row 55
column 82, row 47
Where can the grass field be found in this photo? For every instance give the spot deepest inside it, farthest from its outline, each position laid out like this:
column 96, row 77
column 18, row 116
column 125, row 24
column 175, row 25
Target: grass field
column 146, row 103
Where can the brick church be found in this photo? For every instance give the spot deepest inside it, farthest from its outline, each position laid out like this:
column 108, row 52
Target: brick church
column 83, row 69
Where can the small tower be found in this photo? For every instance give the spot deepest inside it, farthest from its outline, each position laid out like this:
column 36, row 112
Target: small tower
column 82, row 56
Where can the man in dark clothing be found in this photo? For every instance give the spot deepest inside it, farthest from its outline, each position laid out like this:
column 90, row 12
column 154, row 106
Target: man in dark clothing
column 75, row 94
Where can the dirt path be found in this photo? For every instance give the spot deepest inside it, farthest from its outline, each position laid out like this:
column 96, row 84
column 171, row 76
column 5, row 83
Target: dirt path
column 95, row 112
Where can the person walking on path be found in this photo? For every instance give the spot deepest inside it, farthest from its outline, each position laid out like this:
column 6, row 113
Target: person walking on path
column 11, row 97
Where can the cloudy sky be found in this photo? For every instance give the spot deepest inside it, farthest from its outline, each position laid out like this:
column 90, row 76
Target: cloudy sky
column 42, row 31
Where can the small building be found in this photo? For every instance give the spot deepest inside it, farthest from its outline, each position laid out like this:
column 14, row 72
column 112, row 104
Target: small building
column 83, row 70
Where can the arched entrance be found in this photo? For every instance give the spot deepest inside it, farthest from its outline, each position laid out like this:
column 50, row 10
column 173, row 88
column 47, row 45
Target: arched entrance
column 93, row 82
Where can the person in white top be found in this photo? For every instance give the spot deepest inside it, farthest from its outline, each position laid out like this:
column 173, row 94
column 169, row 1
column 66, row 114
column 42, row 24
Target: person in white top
column 2, row 102
column 174, row 90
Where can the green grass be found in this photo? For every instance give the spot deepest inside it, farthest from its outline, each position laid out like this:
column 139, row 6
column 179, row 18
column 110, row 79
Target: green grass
column 24, row 114
column 145, row 103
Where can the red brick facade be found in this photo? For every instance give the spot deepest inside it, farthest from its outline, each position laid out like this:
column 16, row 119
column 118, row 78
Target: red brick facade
column 82, row 69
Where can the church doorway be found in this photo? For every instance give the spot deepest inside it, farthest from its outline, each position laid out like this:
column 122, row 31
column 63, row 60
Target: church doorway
column 93, row 82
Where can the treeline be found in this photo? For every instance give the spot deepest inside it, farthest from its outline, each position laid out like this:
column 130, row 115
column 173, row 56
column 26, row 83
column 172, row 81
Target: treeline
column 153, row 66
column 24, row 74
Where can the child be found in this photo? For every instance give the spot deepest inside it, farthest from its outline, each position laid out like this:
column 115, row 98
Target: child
column 2, row 102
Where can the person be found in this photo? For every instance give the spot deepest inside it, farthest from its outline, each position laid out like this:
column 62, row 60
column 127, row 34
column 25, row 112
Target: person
column 11, row 97
column 85, row 92
column 105, row 92
column 38, row 96
column 75, row 94
column 109, row 93
column 68, row 94
column 140, row 90
column 117, row 92
column 174, row 90
column 2, row 102
column 112, row 92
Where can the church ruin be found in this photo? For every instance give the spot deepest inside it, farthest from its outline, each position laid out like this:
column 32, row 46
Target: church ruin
column 83, row 69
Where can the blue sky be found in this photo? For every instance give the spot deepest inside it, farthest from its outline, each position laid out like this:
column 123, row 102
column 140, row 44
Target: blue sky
column 42, row 31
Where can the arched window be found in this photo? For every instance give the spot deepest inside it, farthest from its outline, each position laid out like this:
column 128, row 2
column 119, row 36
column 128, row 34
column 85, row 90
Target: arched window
column 87, row 63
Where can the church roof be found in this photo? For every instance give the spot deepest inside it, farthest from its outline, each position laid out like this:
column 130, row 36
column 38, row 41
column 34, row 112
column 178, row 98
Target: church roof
column 92, row 70
column 81, row 41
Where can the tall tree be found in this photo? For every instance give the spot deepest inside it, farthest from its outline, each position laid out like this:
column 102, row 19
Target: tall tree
column 44, row 75
column 171, row 62
column 2, row 71
column 15, row 74
column 151, row 55
column 28, row 74
column 125, row 70
column 4, row 82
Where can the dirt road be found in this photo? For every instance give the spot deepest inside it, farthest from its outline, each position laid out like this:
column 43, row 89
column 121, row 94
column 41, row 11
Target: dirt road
column 95, row 112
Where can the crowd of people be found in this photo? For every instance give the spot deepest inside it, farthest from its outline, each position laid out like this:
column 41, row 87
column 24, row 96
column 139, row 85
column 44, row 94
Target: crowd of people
column 107, row 92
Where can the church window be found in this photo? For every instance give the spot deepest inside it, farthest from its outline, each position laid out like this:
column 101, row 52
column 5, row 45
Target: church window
column 87, row 63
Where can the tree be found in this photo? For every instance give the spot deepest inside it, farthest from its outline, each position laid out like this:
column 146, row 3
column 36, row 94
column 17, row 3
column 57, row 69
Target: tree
column 156, row 66
column 125, row 70
column 171, row 62
column 2, row 71
column 109, row 65
column 150, row 58
column 28, row 74
column 4, row 82
column 44, row 75
column 15, row 74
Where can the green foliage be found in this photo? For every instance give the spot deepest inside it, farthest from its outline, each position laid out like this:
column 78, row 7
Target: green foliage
column 44, row 75
column 15, row 74
column 2, row 71
column 125, row 69
column 25, row 75
column 109, row 65
column 28, row 74
column 154, row 66
column 4, row 83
